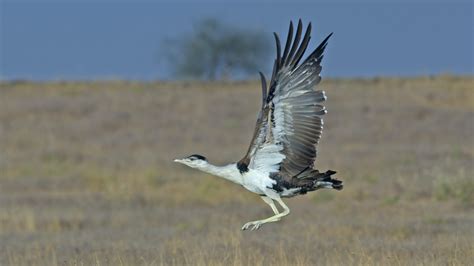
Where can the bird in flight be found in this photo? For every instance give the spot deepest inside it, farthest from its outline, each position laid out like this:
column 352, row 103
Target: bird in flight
column 280, row 160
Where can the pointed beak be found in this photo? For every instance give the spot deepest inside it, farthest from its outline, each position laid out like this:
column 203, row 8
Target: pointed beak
column 178, row 160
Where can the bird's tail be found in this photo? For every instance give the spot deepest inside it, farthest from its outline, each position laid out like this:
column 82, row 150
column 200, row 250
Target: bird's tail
column 312, row 179
column 324, row 180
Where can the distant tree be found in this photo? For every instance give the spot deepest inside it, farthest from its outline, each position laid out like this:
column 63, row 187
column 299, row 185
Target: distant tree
column 215, row 50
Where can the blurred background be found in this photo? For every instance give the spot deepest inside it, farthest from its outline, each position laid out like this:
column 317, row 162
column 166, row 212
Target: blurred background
column 98, row 97
column 85, row 40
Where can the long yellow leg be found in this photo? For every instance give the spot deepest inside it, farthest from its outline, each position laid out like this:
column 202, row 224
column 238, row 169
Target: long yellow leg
column 274, row 218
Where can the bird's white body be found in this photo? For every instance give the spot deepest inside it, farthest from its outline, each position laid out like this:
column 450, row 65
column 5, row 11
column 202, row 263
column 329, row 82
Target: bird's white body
column 261, row 183
column 258, row 182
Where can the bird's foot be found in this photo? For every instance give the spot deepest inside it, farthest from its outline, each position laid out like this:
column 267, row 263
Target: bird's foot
column 254, row 224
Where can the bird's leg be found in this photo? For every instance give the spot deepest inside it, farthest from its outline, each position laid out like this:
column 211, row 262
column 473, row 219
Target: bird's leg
column 274, row 218
column 270, row 202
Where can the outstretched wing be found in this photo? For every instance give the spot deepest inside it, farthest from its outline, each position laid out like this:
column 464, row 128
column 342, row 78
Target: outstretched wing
column 290, row 122
column 260, row 128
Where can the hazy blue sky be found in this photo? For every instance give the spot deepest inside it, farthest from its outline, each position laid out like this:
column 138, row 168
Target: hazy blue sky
column 104, row 39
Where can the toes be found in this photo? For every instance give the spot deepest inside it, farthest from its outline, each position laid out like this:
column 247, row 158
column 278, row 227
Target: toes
column 246, row 226
column 255, row 225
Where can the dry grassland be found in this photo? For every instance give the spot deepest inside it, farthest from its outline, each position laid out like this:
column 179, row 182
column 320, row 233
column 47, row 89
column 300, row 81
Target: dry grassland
column 86, row 176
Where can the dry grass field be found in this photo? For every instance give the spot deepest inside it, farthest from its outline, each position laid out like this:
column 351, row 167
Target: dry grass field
column 87, row 178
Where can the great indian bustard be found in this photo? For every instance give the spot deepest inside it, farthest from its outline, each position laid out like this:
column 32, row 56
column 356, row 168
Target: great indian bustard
column 279, row 162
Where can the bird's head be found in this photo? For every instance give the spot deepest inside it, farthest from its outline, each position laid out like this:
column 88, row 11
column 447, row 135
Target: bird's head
column 194, row 161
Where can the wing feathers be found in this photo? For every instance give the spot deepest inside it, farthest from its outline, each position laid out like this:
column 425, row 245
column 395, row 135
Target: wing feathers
column 278, row 47
column 295, row 43
column 290, row 124
column 318, row 52
column 288, row 42
column 304, row 45
column 264, row 88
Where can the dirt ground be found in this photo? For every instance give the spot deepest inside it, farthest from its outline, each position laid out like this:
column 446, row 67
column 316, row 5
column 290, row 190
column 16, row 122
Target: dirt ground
column 86, row 175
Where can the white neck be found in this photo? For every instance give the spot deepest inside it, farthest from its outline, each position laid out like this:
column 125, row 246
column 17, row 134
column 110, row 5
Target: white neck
column 229, row 172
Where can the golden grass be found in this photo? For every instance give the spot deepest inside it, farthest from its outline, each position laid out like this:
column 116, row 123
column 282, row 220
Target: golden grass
column 86, row 176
